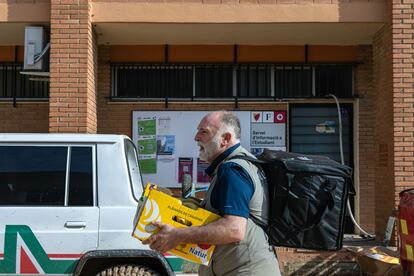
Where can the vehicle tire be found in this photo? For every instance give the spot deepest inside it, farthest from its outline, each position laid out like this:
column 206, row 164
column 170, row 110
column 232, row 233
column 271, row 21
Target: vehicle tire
column 128, row 270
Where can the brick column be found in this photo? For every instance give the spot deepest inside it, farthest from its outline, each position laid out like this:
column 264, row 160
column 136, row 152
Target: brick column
column 73, row 65
column 403, row 93
column 383, row 128
column 365, row 89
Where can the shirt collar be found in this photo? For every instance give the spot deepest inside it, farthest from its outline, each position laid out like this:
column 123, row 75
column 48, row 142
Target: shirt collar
column 220, row 158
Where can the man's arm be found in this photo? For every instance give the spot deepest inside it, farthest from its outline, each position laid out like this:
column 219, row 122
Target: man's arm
column 227, row 229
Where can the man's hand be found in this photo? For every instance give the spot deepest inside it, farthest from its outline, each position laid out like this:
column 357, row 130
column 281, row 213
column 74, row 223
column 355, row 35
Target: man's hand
column 227, row 229
column 166, row 239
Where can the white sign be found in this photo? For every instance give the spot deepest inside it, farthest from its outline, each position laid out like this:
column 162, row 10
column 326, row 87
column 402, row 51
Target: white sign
column 256, row 117
column 268, row 129
column 268, row 117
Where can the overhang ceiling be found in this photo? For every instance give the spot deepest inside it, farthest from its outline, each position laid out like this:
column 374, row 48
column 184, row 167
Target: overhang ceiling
column 267, row 33
column 250, row 34
column 12, row 33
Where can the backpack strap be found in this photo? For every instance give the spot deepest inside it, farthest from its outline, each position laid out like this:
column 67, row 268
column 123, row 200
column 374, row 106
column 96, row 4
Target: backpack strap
column 257, row 163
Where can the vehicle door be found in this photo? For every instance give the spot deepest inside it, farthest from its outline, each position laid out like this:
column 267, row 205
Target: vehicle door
column 48, row 212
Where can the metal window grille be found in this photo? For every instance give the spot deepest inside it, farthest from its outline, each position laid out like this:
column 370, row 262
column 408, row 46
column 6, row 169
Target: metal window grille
column 219, row 81
column 333, row 79
column 15, row 85
column 152, row 81
column 254, row 81
column 213, row 81
column 293, row 81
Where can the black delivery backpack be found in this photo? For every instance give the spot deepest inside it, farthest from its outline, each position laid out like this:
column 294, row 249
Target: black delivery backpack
column 308, row 196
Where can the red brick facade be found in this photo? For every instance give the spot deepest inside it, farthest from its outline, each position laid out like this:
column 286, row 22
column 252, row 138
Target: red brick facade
column 80, row 89
column 365, row 129
column 403, row 94
column 383, row 125
column 25, row 117
column 72, row 68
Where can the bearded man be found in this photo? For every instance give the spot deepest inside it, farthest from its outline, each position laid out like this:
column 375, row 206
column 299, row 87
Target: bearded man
column 238, row 193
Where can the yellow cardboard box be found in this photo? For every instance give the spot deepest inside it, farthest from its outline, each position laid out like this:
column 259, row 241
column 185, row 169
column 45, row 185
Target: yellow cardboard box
column 158, row 206
column 377, row 260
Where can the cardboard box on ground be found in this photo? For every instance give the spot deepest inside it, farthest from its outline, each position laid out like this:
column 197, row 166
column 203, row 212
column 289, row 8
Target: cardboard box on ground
column 158, row 206
column 377, row 261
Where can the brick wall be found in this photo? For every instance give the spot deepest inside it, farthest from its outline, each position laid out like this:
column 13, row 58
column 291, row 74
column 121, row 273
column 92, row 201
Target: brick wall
column 251, row 1
column 92, row 84
column 383, row 107
column 403, row 93
column 72, row 71
column 365, row 111
column 25, row 117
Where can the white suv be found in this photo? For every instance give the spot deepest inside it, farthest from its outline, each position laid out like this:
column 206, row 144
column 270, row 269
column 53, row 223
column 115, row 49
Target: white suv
column 67, row 204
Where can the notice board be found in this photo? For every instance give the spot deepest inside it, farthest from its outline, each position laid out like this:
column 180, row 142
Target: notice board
column 167, row 150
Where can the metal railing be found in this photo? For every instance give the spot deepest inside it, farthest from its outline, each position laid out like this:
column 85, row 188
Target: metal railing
column 14, row 85
column 229, row 81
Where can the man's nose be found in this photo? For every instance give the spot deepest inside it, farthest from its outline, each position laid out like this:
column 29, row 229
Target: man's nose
column 196, row 138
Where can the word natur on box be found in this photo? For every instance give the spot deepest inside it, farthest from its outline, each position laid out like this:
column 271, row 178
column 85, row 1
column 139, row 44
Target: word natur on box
column 158, row 206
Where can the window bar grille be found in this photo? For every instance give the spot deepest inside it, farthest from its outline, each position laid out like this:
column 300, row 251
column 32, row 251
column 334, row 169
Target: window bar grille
column 313, row 82
column 193, row 81
column 4, row 72
column 353, row 83
column 14, row 84
column 272, row 82
column 258, row 92
column 235, row 80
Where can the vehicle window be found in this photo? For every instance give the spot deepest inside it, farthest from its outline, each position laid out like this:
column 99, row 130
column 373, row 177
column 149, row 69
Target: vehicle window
column 32, row 175
column 80, row 177
column 133, row 168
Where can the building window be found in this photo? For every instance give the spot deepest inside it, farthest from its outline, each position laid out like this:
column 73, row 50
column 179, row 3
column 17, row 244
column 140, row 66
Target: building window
column 220, row 81
column 214, row 81
column 254, row 81
column 333, row 79
column 153, row 81
column 15, row 85
column 293, row 81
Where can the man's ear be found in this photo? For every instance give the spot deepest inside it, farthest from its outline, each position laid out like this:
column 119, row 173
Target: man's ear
column 226, row 137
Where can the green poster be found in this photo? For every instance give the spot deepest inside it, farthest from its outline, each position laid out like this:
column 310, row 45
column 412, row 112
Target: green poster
column 146, row 127
column 147, row 146
column 148, row 166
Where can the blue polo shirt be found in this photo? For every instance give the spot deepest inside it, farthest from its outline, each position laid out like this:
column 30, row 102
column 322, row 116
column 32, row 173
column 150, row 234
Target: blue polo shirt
column 234, row 187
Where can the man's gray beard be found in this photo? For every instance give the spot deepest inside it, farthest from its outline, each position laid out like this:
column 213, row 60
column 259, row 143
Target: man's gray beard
column 203, row 156
column 213, row 145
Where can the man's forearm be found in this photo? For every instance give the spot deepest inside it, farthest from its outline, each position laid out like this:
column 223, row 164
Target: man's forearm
column 222, row 231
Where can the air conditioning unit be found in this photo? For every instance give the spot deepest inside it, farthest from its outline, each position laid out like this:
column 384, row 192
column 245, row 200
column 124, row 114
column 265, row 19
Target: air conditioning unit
column 36, row 55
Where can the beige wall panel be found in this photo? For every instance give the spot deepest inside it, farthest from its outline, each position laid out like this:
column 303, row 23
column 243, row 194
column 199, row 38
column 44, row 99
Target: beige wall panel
column 36, row 11
column 120, row 11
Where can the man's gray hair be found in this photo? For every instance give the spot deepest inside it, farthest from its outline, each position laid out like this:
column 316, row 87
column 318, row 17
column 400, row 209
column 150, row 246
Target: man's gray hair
column 232, row 122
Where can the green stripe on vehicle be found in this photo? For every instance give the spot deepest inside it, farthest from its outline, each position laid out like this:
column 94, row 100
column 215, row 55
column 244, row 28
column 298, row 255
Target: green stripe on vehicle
column 8, row 264
column 180, row 265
